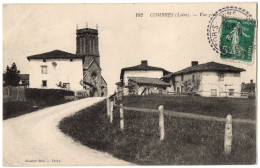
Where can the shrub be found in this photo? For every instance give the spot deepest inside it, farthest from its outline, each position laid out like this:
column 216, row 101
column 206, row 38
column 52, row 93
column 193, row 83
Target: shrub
column 42, row 97
column 16, row 108
column 82, row 94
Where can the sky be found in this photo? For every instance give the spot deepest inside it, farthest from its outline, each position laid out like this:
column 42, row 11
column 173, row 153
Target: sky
column 124, row 39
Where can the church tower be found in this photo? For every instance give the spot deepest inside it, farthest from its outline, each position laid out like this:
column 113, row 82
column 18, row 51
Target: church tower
column 87, row 45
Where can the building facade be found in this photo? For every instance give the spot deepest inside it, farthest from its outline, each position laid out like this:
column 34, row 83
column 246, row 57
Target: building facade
column 80, row 71
column 49, row 70
column 140, row 75
column 210, row 79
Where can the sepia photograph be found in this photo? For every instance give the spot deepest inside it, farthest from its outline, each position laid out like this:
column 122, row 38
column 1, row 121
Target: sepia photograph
column 129, row 84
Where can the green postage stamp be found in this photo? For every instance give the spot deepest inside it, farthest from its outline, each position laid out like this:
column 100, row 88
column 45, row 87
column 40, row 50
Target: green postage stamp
column 237, row 39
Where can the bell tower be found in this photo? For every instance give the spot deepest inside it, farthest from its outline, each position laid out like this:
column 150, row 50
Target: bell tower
column 87, row 45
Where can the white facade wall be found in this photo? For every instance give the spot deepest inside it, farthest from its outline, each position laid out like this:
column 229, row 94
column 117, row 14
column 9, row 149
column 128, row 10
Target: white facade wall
column 209, row 82
column 147, row 74
column 65, row 72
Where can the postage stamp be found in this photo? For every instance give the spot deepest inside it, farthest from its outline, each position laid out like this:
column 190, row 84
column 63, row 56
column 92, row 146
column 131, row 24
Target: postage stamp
column 237, row 39
column 215, row 22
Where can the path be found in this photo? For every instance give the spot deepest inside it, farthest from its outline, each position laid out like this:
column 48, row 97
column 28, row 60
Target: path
column 35, row 140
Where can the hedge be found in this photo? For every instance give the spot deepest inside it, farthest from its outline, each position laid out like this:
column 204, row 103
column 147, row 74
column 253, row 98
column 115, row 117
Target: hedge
column 42, row 97
column 16, row 108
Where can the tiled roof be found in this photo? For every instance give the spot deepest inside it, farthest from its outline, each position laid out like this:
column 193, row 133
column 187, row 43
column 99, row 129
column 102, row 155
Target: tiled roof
column 54, row 54
column 142, row 67
column 210, row 66
column 151, row 81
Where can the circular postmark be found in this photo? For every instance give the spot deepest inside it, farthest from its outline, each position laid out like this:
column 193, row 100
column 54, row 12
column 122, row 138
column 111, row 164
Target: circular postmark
column 215, row 23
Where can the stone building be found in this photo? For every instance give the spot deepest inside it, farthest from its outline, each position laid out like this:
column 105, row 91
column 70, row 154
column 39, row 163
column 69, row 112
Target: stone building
column 144, row 76
column 209, row 79
column 87, row 48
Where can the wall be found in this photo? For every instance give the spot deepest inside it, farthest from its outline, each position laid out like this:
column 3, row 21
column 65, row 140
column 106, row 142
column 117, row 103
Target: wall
column 148, row 74
column 13, row 93
column 231, row 81
column 65, row 71
column 97, row 81
column 204, row 82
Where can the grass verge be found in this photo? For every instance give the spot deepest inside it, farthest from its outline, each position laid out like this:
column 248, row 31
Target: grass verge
column 187, row 141
column 13, row 109
column 16, row 108
column 219, row 107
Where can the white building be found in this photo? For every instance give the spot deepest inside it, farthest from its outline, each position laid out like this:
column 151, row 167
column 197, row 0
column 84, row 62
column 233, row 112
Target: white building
column 142, row 71
column 50, row 69
column 59, row 69
column 209, row 79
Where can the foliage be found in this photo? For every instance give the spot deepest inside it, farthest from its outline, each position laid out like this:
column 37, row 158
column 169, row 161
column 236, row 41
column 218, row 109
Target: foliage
column 61, row 85
column 12, row 76
column 15, row 108
column 44, row 97
column 35, row 99
column 82, row 94
column 248, row 87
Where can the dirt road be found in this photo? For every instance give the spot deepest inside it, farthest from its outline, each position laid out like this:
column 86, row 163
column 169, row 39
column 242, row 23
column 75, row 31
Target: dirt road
column 35, row 140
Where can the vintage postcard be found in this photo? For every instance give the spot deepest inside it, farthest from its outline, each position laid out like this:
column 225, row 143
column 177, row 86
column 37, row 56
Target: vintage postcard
column 129, row 84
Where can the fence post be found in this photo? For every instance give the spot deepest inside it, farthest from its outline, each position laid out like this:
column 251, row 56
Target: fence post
column 17, row 96
column 121, row 117
column 111, row 112
column 161, row 122
column 108, row 108
column 8, row 89
column 228, row 135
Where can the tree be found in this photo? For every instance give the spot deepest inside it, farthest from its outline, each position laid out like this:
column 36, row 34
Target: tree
column 61, row 85
column 12, row 77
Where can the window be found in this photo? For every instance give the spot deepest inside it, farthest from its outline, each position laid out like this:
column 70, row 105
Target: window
column 71, row 60
column 193, row 78
column 44, row 83
column 181, row 77
column 80, row 45
column 221, row 76
column 44, row 69
column 178, row 89
column 231, row 92
column 84, row 44
column 213, row 92
column 44, row 60
column 90, row 44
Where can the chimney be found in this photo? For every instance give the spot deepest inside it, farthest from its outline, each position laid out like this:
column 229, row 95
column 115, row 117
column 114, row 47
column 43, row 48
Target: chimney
column 144, row 63
column 194, row 63
column 251, row 81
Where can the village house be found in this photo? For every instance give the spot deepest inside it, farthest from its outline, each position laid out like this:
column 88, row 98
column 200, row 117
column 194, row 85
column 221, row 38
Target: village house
column 142, row 79
column 80, row 71
column 209, row 79
column 51, row 68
